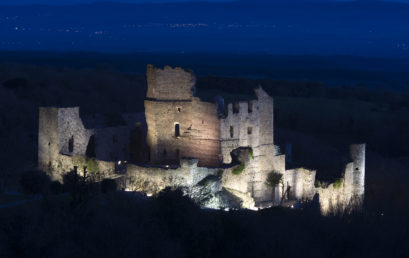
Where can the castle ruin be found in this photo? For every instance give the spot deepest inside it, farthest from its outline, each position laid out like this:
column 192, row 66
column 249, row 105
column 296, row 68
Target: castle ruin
column 220, row 155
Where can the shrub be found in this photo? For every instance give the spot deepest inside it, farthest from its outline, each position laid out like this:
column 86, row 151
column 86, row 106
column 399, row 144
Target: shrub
column 237, row 170
column 108, row 186
column 34, row 182
column 274, row 178
column 56, row 187
column 251, row 154
column 338, row 183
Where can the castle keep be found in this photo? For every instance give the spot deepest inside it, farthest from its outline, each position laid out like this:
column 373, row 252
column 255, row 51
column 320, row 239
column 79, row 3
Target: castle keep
column 220, row 155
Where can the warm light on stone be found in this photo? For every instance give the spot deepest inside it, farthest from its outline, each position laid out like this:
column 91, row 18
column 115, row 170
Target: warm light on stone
column 192, row 145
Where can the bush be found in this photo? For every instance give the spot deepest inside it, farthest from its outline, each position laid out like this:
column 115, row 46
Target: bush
column 237, row 170
column 338, row 183
column 273, row 178
column 251, row 154
column 108, row 186
column 34, row 182
column 56, row 187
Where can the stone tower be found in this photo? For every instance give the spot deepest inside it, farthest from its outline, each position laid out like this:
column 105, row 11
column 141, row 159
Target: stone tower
column 357, row 154
column 179, row 124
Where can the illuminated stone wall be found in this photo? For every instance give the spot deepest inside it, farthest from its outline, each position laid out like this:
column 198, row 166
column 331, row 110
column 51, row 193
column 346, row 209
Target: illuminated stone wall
column 348, row 192
column 188, row 134
column 179, row 125
column 152, row 180
column 250, row 124
column 62, row 135
column 301, row 183
column 170, row 83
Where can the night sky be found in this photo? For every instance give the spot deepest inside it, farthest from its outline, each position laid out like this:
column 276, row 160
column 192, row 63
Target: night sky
column 297, row 27
column 14, row 2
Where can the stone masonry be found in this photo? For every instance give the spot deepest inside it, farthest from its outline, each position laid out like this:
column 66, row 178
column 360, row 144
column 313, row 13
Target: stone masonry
column 222, row 160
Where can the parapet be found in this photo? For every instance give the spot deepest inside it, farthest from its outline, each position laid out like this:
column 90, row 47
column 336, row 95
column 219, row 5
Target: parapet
column 170, row 83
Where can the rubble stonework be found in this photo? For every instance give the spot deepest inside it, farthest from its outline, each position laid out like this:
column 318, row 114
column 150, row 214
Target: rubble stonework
column 222, row 160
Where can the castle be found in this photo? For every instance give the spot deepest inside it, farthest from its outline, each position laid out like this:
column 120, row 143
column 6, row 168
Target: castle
column 221, row 155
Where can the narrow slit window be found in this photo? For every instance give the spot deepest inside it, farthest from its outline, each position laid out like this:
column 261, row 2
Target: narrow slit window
column 250, row 107
column 164, row 152
column 177, row 130
column 231, row 132
column 71, row 144
column 179, row 109
column 249, row 130
column 236, row 107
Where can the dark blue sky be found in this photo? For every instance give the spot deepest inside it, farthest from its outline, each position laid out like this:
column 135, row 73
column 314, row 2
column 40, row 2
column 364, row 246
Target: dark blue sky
column 62, row 2
column 318, row 27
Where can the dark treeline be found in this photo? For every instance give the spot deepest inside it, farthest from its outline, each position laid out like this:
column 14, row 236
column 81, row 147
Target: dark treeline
column 118, row 224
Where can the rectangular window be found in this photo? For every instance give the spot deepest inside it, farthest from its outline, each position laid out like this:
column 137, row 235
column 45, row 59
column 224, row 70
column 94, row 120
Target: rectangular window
column 177, row 130
column 236, row 107
column 249, row 130
column 71, row 144
column 250, row 107
column 231, row 132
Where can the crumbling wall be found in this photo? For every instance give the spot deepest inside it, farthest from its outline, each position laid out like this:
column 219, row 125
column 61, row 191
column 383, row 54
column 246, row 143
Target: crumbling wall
column 71, row 130
column 152, row 180
column 63, row 138
column 346, row 193
column 170, row 83
column 47, row 138
column 301, row 183
column 248, row 124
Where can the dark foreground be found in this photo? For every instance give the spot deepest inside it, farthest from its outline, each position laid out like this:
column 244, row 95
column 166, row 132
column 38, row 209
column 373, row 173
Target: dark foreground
column 117, row 224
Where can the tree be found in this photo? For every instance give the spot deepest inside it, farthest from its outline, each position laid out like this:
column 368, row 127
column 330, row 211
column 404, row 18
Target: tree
column 273, row 179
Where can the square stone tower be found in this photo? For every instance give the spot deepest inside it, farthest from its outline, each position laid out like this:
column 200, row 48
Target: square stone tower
column 179, row 124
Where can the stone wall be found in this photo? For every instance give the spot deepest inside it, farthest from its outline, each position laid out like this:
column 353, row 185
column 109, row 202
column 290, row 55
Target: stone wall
column 348, row 192
column 170, row 83
column 47, row 137
column 152, row 180
column 179, row 125
column 63, row 138
column 301, row 183
column 248, row 124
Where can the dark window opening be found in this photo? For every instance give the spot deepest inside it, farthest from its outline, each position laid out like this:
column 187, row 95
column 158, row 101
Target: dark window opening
column 236, row 107
column 90, row 152
column 164, row 152
column 250, row 107
column 202, row 121
column 177, row 130
column 179, row 109
column 249, row 130
column 177, row 153
column 71, row 144
column 231, row 132
column 357, row 168
column 114, row 138
column 49, row 143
